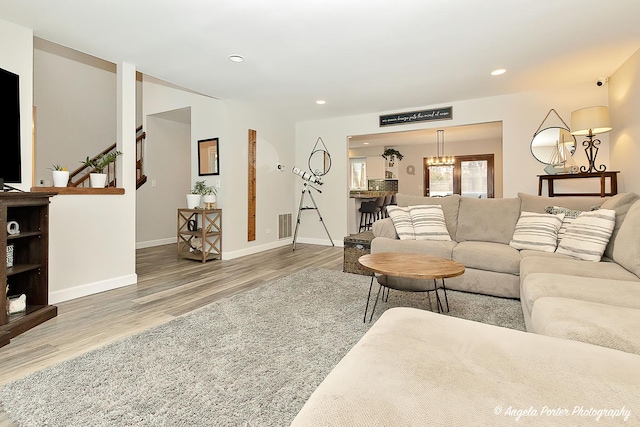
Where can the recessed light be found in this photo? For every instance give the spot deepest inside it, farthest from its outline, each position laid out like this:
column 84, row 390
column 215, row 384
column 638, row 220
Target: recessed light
column 498, row 72
column 236, row 58
column 321, row 102
column 365, row 143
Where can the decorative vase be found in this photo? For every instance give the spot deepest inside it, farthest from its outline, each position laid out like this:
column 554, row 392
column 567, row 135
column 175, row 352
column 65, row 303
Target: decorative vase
column 98, row 180
column 193, row 201
column 209, row 201
column 60, row 178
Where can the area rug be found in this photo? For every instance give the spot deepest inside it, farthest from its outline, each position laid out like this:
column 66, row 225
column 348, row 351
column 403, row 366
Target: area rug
column 249, row 360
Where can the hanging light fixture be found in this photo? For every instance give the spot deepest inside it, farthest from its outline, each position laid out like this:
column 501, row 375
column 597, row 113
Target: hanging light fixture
column 441, row 160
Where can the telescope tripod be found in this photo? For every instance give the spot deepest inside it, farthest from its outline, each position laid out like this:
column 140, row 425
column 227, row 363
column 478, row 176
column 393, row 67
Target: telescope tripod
column 301, row 208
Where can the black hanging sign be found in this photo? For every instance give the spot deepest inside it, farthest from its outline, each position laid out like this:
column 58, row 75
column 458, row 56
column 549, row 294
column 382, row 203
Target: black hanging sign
column 444, row 113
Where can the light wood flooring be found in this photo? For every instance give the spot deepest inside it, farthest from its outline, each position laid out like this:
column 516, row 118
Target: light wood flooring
column 167, row 287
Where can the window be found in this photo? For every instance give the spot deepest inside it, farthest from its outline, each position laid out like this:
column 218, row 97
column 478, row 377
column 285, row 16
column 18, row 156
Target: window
column 358, row 173
column 471, row 176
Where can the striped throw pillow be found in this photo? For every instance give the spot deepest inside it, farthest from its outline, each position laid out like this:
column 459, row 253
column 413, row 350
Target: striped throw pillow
column 402, row 222
column 588, row 235
column 537, row 231
column 569, row 216
column 428, row 222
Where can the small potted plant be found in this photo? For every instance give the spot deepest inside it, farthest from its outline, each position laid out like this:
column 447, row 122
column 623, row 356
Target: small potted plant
column 390, row 154
column 209, row 197
column 60, row 176
column 97, row 166
column 199, row 190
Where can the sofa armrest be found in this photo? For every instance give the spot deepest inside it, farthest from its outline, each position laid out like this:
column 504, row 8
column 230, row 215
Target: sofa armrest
column 384, row 228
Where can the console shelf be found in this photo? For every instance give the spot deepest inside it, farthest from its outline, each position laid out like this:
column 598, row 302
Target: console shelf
column 29, row 273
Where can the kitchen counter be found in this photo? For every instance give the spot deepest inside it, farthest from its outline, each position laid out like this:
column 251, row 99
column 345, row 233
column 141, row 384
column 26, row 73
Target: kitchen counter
column 369, row 194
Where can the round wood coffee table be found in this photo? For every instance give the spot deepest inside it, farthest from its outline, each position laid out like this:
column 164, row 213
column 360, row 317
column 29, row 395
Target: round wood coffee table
column 410, row 266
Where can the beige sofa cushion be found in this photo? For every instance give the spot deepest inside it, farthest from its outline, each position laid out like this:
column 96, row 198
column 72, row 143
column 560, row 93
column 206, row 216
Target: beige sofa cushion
column 590, row 322
column 487, row 220
column 574, row 267
column 488, row 256
column 525, row 253
column 384, row 228
column 621, row 293
column 416, row 368
column 449, row 207
column 626, row 250
column 531, row 203
column 621, row 203
column 439, row 248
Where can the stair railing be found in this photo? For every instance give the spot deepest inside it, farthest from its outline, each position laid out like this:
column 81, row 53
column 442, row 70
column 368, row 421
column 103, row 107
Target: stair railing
column 141, row 178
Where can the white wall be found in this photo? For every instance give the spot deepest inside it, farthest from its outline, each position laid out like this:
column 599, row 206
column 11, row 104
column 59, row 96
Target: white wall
column 274, row 188
column 16, row 55
column 521, row 115
column 624, row 108
column 168, row 151
column 75, row 100
column 230, row 122
column 92, row 237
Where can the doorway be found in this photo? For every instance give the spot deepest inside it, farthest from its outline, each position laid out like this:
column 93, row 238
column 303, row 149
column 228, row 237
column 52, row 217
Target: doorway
column 469, row 176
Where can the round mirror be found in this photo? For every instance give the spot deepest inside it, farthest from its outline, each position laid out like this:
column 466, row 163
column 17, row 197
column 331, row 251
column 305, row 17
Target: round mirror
column 319, row 162
column 549, row 146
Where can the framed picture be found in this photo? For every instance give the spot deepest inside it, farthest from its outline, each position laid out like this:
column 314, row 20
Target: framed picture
column 208, row 157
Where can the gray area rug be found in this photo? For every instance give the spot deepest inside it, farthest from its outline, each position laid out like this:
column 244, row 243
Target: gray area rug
column 249, row 360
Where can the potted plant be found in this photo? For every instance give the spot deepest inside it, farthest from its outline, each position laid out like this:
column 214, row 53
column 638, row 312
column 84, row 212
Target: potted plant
column 60, row 176
column 199, row 190
column 97, row 166
column 209, row 197
column 391, row 154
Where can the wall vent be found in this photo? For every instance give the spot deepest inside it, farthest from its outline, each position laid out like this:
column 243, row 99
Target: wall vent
column 284, row 226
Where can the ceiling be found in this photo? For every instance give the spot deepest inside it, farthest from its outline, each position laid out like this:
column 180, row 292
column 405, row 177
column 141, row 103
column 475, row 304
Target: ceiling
column 359, row 56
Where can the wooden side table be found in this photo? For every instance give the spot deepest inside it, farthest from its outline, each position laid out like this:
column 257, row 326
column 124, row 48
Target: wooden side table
column 200, row 234
column 612, row 175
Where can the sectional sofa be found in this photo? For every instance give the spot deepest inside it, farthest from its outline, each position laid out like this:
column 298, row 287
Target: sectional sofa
column 594, row 302
column 580, row 366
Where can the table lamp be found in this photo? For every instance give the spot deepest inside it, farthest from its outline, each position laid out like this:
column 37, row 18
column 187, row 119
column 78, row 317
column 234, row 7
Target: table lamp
column 589, row 122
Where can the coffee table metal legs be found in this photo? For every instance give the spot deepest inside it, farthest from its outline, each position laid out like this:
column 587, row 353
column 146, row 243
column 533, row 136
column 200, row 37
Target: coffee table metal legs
column 438, row 300
column 439, row 305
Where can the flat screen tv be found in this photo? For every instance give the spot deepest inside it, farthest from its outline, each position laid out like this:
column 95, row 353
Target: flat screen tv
column 10, row 162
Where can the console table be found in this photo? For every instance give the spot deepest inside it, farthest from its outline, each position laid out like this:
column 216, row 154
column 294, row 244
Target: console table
column 200, row 234
column 602, row 176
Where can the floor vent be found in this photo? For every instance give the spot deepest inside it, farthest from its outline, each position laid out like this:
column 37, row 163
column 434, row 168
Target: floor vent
column 284, row 226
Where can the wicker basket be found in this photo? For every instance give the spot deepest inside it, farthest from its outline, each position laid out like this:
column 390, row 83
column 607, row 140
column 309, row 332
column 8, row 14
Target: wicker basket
column 355, row 246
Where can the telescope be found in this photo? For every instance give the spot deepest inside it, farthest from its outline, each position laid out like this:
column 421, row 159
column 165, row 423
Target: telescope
column 307, row 176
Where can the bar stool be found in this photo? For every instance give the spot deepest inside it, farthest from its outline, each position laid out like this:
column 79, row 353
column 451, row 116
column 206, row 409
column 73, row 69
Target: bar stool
column 387, row 202
column 380, row 205
column 368, row 214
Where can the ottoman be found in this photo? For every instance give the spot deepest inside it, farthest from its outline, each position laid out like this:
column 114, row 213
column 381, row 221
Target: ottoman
column 355, row 246
column 417, row 368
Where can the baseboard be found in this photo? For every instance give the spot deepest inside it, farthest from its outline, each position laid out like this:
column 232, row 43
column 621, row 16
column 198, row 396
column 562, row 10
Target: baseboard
column 92, row 288
column 321, row 242
column 256, row 249
column 152, row 243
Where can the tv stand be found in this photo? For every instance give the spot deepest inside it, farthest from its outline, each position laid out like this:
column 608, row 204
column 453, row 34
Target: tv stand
column 28, row 274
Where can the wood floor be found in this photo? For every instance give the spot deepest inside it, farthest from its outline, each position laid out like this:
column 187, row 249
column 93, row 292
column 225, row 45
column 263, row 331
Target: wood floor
column 166, row 288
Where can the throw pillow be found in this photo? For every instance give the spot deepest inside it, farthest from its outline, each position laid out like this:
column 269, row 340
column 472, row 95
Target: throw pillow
column 569, row 216
column 538, row 232
column 588, row 235
column 428, row 222
column 402, row 222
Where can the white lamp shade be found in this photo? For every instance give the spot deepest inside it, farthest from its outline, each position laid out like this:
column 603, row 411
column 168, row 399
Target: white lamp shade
column 591, row 120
